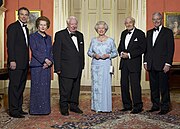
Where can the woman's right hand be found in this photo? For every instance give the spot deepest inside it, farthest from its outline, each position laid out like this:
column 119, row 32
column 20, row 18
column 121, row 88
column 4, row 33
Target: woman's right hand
column 96, row 56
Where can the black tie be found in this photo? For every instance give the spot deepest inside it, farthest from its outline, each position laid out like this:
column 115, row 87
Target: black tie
column 24, row 25
column 72, row 34
column 129, row 32
column 156, row 28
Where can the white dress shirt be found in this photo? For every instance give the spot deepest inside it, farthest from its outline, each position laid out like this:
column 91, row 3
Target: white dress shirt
column 127, row 39
column 25, row 33
column 74, row 38
column 155, row 35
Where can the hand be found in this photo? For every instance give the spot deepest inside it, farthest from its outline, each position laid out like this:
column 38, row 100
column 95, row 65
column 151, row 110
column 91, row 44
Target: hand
column 145, row 67
column 45, row 66
column 48, row 62
column 105, row 56
column 97, row 56
column 166, row 68
column 124, row 55
column 13, row 65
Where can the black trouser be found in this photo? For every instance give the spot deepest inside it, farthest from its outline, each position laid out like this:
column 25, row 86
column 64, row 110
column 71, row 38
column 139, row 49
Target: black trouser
column 69, row 89
column 159, row 86
column 134, row 79
column 17, row 82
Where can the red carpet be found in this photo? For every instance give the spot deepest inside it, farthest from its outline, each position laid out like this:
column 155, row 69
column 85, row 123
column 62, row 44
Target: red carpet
column 92, row 120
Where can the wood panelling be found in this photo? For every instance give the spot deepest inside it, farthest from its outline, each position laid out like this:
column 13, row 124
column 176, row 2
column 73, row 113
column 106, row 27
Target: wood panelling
column 91, row 11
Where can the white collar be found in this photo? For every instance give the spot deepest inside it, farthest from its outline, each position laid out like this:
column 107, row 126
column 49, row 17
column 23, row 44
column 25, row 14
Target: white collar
column 21, row 23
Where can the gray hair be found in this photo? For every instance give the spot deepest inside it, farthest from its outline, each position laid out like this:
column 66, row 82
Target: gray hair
column 157, row 14
column 131, row 18
column 70, row 18
column 101, row 23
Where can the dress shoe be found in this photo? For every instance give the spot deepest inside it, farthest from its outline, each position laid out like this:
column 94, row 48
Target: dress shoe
column 64, row 112
column 17, row 116
column 163, row 112
column 23, row 113
column 76, row 110
column 126, row 109
column 153, row 110
column 136, row 111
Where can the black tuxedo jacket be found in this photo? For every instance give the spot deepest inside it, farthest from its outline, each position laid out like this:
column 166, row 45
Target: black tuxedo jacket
column 66, row 57
column 163, row 50
column 136, row 48
column 17, row 48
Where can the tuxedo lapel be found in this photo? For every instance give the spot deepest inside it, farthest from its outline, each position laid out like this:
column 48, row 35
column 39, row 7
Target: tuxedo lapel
column 22, row 33
column 78, row 41
column 151, row 37
column 123, row 39
column 70, row 39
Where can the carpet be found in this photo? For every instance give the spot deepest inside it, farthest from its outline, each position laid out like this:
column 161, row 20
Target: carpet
column 92, row 120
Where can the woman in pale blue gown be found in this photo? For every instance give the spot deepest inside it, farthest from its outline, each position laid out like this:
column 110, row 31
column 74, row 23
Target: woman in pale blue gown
column 102, row 49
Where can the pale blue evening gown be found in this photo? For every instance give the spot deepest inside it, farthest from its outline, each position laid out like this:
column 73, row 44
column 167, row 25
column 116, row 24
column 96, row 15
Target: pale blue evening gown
column 101, row 96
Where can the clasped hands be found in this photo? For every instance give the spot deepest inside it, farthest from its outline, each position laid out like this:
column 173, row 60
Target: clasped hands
column 47, row 63
column 12, row 65
column 104, row 56
column 124, row 55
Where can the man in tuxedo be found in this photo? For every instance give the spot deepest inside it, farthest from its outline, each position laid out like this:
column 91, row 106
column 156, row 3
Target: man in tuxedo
column 132, row 46
column 68, row 52
column 18, row 60
column 157, row 61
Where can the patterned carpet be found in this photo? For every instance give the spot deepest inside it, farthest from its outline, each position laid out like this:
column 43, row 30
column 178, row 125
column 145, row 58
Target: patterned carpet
column 93, row 120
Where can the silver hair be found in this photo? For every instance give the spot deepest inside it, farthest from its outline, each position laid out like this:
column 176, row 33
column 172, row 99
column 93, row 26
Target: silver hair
column 157, row 14
column 70, row 18
column 132, row 19
column 101, row 23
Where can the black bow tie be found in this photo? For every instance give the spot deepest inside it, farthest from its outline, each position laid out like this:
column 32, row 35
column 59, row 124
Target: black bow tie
column 72, row 34
column 156, row 28
column 129, row 32
column 24, row 25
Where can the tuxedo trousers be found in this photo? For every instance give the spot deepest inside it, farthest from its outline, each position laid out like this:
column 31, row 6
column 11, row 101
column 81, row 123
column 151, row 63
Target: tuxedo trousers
column 132, row 79
column 17, row 82
column 69, row 89
column 159, row 86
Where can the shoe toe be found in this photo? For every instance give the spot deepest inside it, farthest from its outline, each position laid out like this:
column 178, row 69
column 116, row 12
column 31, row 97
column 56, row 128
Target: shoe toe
column 136, row 111
column 163, row 112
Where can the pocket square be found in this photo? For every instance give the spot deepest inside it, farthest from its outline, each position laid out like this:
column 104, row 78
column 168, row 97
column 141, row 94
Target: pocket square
column 136, row 39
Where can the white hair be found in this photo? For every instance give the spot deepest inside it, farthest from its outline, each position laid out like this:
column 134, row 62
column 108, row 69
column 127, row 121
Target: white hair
column 70, row 18
column 157, row 14
column 101, row 23
column 131, row 18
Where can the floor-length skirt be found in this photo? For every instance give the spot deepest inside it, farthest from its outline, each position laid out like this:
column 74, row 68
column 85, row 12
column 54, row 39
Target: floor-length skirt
column 40, row 91
column 101, row 96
